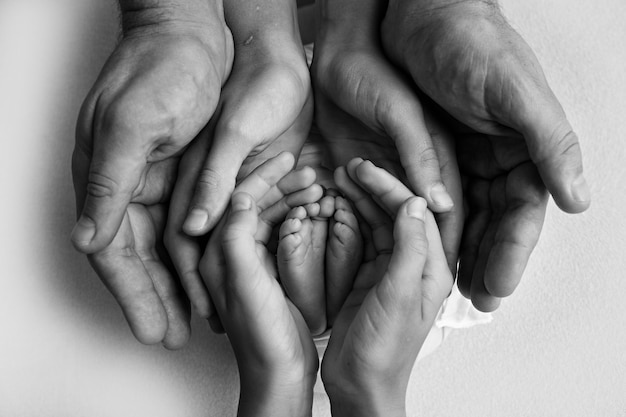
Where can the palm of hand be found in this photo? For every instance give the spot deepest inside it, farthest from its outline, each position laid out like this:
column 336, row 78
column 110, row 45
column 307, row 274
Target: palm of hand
column 135, row 267
column 506, row 202
column 355, row 325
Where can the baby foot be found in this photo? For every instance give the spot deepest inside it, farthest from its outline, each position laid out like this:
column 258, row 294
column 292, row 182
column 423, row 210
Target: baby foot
column 301, row 256
column 344, row 252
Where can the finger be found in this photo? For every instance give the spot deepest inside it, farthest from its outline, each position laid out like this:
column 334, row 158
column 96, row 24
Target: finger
column 473, row 232
column 247, row 277
column 266, row 176
column 450, row 223
column 418, row 155
column 517, row 233
column 127, row 279
column 380, row 224
column 184, row 250
column 214, row 185
column 272, row 216
column 166, row 283
column 401, row 287
column 552, row 143
column 105, row 180
column 388, row 190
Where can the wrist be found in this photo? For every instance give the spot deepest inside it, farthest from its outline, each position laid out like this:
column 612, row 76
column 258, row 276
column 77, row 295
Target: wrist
column 199, row 17
column 265, row 23
column 365, row 406
column 349, row 21
column 271, row 395
column 365, row 395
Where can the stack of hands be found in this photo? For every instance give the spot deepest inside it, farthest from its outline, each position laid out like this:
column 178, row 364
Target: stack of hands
column 185, row 168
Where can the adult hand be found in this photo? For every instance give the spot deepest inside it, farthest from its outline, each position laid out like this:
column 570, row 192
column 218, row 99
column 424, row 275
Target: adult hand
column 466, row 57
column 265, row 108
column 155, row 93
column 395, row 299
column 275, row 353
column 367, row 108
column 352, row 75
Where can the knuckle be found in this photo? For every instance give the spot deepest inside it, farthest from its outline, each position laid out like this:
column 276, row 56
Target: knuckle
column 429, row 156
column 418, row 245
column 209, row 179
column 101, row 186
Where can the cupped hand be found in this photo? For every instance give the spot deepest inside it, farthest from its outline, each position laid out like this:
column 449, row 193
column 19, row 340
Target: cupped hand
column 396, row 295
column 514, row 140
column 265, row 108
column 468, row 59
column 275, row 353
column 156, row 92
column 354, row 79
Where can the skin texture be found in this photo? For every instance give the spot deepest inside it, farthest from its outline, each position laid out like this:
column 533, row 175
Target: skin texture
column 154, row 95
column 352, row 75
column 398, row 290
column 513, row 140
column 265, row 107
column 275, row 353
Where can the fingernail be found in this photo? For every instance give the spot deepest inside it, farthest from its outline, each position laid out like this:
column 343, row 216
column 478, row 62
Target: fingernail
column 196, row 219
column 240, row 202
column 84, row 231
column 580, row 190
column 439, row 195
column 417, row 208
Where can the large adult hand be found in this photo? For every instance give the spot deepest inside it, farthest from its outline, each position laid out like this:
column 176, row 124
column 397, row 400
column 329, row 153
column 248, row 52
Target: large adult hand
column 352, row 74
column 266, row 107
column 466, row 57
column 275, row 353
column 394, row 301
column 156, row 92
column 365, row 107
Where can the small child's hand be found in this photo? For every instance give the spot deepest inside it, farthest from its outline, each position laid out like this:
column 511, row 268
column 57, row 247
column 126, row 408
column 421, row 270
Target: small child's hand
column 397, row 293
column 275, row 353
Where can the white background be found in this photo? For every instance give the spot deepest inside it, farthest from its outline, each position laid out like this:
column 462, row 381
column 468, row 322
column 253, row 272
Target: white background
column 556, row 348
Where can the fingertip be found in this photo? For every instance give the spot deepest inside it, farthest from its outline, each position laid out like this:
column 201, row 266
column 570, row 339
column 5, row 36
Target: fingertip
column 150, row 334
column 196, row 223
column 580, row 197
column 83, row 235
column 485, row 303
column 241, row 201
column 287, row 158
column 416, row 208
column 440, row 199
column 216, row 324
column 176, row 340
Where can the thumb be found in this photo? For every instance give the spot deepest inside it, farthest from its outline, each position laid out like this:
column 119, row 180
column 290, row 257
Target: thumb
column 401, row 287
column 555, row 150
column 553, row 146
column 105, row 183
column 238, row 242
column 406, row 125
column 215, row 184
